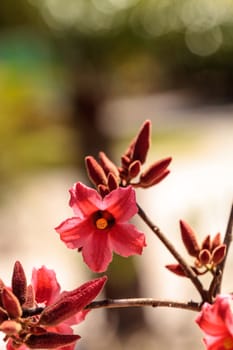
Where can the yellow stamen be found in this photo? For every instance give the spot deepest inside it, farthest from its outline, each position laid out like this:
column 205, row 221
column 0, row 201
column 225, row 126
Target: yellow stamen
column 101, row 223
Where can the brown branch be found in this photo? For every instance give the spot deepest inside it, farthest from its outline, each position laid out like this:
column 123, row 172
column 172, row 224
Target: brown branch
column 215, row 286
column 140, row 302
column 187, row 269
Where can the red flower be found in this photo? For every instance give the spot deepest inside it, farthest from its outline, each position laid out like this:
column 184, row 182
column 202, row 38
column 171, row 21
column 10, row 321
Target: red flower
column 100, row 225
column 38, row 316
column 217, row 323
column 47, row 291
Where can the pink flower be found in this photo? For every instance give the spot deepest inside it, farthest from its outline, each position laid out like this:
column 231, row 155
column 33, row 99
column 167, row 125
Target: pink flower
column 47, row 291
column 217, row 323
column 100, row 225
column 39, row 315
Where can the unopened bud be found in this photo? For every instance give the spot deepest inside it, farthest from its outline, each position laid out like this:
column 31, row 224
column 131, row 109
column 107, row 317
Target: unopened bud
column 142, row 143
column 50, row 340
column 155, row 173
column 218, row 254
column 204, row 257
column 95, row 171
column 72, row 302
column 176, row 269
column 112, row 182
column 216, row 241
column 19, row 282
column 134, row 168
column 189, row 239
column 206, row 244
column 11, row 303
column 108, row 165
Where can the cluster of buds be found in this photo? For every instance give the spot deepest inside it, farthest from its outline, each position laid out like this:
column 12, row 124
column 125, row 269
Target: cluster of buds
column 208, row 254
column 29, row 325
column 107, row 176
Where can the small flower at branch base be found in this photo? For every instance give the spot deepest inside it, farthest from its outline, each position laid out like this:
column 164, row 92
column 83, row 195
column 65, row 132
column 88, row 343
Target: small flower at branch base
column 100, row 225
column 216, row 321
column 44, row 320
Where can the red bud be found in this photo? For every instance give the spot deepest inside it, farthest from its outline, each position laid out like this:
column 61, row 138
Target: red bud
column 103, row 190
column 30, row 301
column 19, row 282
column 71, row 302
column 206, row 244
column 11, row 303
column 108, row 165
column 216, row 241
column 95, row 171
column 134, row 168
column 142, row 143
column 189, row 239
column 204, row 257
column 112, row 182
column 177, row 269
column 50, row 340
column 218, row 254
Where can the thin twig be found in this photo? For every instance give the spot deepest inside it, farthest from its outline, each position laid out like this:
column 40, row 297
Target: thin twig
column 215, row 286
column 187, row 269
column 140, row 302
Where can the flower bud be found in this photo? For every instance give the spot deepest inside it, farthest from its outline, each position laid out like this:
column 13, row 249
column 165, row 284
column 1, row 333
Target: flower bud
column 19, row 283
column 142, row 143
column 71, row 302
column 95, row 172
column 112, row 182
column 155, row 173
column 206, row 244
column 134, row 168
column 50, row 340
column 108, row 165
column 11, row 303
column 218, row 254
column 216, row 241
column 204, row 257
column 177, row 269
column 189, row 239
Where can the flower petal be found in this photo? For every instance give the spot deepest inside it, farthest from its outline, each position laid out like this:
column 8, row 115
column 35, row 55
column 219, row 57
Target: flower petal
column 121, row 203
column 97, row 253
column 74, row 232
column 126, row 240
column 45, row 285
column 84, row 200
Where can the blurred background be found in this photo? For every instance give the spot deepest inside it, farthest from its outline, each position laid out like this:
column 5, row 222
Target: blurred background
column 79, row 76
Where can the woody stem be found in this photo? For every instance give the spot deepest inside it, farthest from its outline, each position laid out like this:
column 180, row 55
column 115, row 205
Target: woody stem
column 187, row 269
column 215, row 286
column 140, row 302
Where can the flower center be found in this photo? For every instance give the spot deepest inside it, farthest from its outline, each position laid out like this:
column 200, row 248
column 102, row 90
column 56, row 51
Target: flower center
column 103, row 219
column 228, row 343
column 101, row 223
